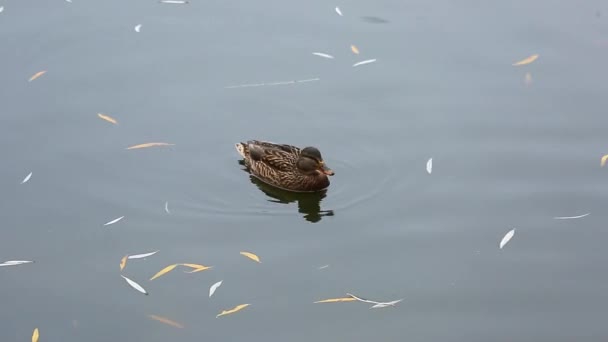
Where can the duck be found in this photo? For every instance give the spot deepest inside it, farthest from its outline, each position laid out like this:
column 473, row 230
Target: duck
column 285, row 166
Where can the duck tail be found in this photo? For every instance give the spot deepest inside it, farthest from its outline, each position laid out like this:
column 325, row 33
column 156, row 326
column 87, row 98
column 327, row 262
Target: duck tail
column 241, row 148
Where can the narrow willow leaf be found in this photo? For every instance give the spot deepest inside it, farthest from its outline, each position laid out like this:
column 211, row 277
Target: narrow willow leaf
column 123, row 262
column 27, row 178
column 251, row 256
column 429, row 166
column 336, row 300
column 113, row 221
column 324, row 55
column 152, row 144
column 141, row 256
column 364, row 62
column 338, row 11
column 35, row 335
column 214, row 287
column 166, row 321
column 196, row 267
column 164, row 271
column 107, row 118
column 570, row 217
column 507, row 238
column 15, row 262
column 527, row 60
column 135, row 285
column 36, row 75
column 231, row 311
column 167, row 207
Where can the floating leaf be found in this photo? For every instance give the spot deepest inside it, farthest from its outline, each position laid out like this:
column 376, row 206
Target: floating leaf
column 338, row 11
column 251, row 256
column 15, row 262
column 27, row 178
column 137, row 28
column 231, row 311
column 1, row 9
column 367, row 61
column 36, row 75
column 167, row 207
column 354, row 49
column 107, row 118
column 141, row 256
column 164, row 271
column 570, row 217
column 336, row 300
column 324, row 55
column 196, row 267
column 135, row 285
column 526, row 60
column 323, row 267
column 113, row 221
column 506, row 238
column 166, row 321
column 387, row 304
column 35, row 335
column 603, row 160
column 429, row 166
column 123, row 262
column 214, row 287
column 152, row 144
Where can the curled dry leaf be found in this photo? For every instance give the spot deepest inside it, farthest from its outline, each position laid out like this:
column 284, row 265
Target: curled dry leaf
column 251, row 256
column 166, row 321
column 603, row 160
column 233, row 310
column 36, row 75
column 354, row 49
column 164, row 271
column 336, row 300
column 123, row 262
column 152, row 144
column 135, row 285
column 107, row 118
column 507, row 238
column 527, row 60
column 35, row 335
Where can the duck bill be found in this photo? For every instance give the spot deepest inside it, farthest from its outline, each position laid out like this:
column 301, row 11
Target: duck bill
column 328, row 171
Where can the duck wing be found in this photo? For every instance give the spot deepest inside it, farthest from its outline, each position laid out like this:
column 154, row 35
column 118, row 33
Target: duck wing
column 279, row 157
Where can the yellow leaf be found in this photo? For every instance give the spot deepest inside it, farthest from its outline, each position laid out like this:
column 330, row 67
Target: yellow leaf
column 251, row 256
column 526, row 60
column 196, row 267
column 166, row 321
column 164, row 271
column 123, row 262
column 354, row 49
column 335, row 300
column 107, row 118
column 36, row 75
column 236, row 308
column 152, row 144
column 35, row 335
column 604, row 158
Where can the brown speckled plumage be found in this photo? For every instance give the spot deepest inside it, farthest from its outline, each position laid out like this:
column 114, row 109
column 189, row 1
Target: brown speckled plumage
column 285, row 166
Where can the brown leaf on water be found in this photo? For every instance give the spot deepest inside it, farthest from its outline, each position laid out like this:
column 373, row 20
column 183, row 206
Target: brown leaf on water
column 251, row 256
column 35, row 335
column 196, row 267
column 527, row 60
column 354, row 49
column 152, row 144
column 603, row 160
column 123, row 262
column 233, row 310
column 164, row 271
column 336, row 300
column 166, row 321
column 36, row 75
column 107, row 118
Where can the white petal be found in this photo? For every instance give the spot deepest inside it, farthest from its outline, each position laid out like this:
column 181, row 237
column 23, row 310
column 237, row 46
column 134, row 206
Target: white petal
column 367, row 61
column 338, row 11
column 27, row 178
column 570, row 217
column 324, row 55
column 506, row 238
column 429, row 166
column 137, row 28
column 135, row 285
column 167, row 207
column 214, row 287
column 141, row 256
column 113, row 221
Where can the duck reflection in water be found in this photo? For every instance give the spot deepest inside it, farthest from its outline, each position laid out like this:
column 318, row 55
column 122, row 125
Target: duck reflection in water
column 309, row 203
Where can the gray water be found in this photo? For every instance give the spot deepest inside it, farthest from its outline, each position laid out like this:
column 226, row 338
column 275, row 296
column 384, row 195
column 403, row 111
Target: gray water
column 506, row 154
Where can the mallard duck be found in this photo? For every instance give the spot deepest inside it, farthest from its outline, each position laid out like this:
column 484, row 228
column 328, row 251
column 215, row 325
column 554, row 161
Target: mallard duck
column 285, row 166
